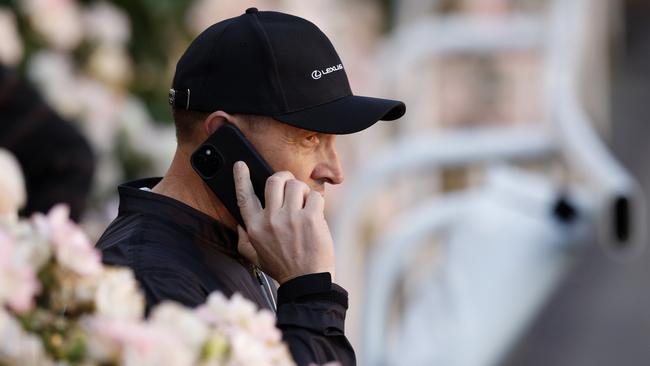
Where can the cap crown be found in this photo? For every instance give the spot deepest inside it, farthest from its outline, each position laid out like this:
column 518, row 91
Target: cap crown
column 266, row 63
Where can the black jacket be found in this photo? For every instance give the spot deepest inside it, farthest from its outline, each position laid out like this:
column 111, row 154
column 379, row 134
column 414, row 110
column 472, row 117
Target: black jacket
column 181, row 254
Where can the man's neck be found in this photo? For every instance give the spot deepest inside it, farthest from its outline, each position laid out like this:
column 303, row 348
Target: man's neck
column 183, row 184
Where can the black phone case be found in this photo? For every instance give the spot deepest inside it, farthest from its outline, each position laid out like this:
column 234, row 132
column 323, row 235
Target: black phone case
column 214, row 160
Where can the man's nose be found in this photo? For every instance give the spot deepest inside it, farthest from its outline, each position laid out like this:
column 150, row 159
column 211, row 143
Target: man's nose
column 337, row 174
column 330, row 169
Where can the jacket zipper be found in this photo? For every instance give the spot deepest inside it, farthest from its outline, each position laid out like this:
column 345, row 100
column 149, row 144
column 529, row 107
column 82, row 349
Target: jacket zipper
column 265, row 286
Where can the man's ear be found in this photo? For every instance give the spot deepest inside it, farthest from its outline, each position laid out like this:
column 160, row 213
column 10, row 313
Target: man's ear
column 216, row 120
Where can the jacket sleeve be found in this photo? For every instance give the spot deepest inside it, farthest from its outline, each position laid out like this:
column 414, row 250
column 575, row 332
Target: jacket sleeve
column 311, row 316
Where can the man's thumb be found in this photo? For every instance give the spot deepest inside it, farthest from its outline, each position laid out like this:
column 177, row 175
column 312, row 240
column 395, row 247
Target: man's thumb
column 245, row 247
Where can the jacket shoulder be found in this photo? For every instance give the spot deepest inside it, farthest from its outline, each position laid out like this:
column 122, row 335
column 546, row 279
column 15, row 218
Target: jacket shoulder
column 141, row 241
column 161, row 257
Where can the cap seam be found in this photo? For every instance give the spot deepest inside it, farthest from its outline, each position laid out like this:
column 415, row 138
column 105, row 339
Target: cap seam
column 273, row 59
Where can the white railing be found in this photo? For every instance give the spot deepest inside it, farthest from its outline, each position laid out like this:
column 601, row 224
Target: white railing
column 621, row 205
column 507, row 267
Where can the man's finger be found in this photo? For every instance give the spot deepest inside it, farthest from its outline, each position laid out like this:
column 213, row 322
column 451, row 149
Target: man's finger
column 245, row 246
column 315, row 203
column 249, row 204
column 274, row 190
column 294, row 194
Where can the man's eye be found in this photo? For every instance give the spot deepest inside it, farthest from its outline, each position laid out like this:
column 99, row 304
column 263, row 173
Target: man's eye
column 312, row 139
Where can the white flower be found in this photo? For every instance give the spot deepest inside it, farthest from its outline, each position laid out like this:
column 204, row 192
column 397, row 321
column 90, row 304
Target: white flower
column 31, row 246
column 78, row 262
column 252, row 335
column 57, row 21
column 107, row 24
column 135, row 343
column 87, row 100
column 157, row 346
column 53, row 72
column 134, row 116
column 18, row 281
column 118, row 296
column 103, row 338
column 49, row 68
column 183, row 322
column 111, row 64
column 237, row 312
column 218, row 310
column 18, row 347
column 72, row 248
column 11, row 47
column 247, row 349
column 12, row 186
column 154, row 140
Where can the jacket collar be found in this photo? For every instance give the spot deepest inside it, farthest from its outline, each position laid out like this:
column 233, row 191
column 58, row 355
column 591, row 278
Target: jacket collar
column 133, row 199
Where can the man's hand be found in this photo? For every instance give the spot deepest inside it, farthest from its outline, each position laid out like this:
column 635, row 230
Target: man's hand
column 289, row 237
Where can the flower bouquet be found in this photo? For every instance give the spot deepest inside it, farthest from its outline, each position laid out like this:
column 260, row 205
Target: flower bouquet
column 60, row 305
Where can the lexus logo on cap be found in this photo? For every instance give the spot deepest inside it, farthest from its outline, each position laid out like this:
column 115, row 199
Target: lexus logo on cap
column 317, row 74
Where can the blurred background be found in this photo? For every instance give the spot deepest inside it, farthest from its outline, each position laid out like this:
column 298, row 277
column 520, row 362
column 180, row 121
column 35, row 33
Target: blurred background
column 502, row 221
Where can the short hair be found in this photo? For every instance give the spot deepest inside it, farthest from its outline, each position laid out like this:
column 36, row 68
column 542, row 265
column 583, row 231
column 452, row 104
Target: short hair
column 253, row 122
column 186, row 122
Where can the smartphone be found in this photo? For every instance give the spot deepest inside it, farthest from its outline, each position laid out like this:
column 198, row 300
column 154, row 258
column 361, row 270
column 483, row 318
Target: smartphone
column 213, row 161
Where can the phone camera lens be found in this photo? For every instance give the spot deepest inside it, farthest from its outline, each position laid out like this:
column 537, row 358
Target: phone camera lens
column 207, row 161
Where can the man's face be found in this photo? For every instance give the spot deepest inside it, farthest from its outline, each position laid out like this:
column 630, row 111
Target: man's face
column 310, row 156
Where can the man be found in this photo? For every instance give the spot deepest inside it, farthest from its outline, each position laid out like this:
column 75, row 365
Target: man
column 279, row 80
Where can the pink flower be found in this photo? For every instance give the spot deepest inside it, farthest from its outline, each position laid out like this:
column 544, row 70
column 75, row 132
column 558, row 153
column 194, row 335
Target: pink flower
column 252, row 335
column 72, row 247
column 135, row 343
column 18, row 281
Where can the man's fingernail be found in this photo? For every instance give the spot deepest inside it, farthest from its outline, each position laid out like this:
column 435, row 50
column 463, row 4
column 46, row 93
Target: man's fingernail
column 238, row 166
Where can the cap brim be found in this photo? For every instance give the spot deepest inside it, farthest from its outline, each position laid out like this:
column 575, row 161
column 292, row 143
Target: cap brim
column 345, row 115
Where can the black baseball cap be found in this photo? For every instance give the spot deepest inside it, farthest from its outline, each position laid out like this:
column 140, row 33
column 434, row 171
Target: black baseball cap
column 274, row 64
